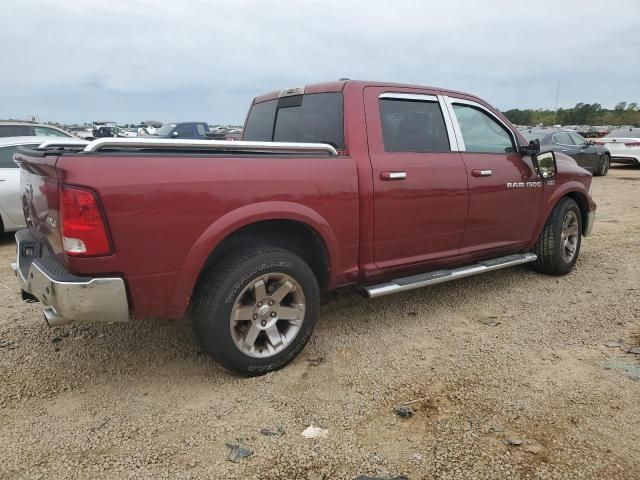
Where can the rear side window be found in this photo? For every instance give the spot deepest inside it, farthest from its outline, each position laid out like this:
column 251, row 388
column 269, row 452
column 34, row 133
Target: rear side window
column 312, row 118
column 184, row 130
column 562, row 138
column 481, row 132
column 412, row 126
column 15, row 131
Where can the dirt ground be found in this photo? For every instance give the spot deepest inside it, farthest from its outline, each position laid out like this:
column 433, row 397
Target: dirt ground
column 539, row 395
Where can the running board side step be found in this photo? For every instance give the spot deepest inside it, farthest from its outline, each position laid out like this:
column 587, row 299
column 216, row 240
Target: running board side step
column 441, row 276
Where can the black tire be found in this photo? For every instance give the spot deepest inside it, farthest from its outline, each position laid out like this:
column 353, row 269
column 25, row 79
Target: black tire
column 602, row 165
column 549, row 248
column 219, row 289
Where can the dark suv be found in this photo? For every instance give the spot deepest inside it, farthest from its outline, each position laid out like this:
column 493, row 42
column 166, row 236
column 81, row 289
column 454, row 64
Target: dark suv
column 183, row 130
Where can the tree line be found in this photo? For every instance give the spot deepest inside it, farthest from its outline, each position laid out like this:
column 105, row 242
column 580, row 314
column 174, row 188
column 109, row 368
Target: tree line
column 582, row 114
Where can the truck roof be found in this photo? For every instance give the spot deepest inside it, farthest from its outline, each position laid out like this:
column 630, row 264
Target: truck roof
column 341, row 84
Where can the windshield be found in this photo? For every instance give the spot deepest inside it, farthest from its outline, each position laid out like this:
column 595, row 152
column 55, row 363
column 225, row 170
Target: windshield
column 312, row 118
column 165, row 129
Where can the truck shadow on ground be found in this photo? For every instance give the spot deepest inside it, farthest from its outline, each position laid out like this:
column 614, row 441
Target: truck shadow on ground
column 83, row 354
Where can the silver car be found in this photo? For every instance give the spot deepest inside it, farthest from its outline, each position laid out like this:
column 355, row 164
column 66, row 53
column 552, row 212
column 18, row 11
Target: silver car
column 11, row 215
column 22, row 129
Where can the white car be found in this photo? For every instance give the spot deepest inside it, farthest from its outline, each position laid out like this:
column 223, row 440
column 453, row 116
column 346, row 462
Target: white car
column 22, row 129
column 11, row 214
column 623, row 145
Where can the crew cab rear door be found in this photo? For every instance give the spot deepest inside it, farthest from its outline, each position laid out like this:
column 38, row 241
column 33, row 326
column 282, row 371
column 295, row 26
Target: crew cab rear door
column 419, row 180
column 505, row 190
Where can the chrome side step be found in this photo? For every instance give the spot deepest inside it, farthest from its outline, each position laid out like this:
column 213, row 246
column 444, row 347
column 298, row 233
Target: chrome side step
column 441, row 276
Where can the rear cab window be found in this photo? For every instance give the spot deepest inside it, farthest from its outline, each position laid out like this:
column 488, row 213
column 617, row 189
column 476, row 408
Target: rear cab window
column 308, row 118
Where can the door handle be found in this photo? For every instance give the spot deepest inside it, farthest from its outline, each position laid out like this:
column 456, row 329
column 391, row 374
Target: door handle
column 393, row 175
column 476, row 172
column 564, row 150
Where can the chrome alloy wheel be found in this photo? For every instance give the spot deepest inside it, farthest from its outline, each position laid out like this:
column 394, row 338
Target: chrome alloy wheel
column 267, row 315
column 569, row 236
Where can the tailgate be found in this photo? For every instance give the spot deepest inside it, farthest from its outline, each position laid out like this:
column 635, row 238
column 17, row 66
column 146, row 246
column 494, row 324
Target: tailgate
column 39, row 180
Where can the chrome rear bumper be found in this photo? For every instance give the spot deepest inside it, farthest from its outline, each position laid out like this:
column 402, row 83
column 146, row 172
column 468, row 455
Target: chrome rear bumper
column 67, row 297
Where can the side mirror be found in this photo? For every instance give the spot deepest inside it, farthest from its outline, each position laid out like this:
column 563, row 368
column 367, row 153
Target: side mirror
column 174, row 134
column 546, row 165
column 532, row 149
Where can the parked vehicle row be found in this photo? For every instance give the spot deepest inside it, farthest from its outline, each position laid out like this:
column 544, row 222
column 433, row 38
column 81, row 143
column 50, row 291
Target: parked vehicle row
column 380, row 186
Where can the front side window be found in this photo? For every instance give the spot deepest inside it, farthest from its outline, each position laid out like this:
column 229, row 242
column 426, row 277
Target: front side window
column 562, row 138
column 48, row 132
column 311, row 118
column 481, row 133
column 200, row 129
column 412, row 126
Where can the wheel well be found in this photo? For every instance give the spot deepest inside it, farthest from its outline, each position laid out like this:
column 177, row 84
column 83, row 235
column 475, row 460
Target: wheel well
column 291, row 235
column 583, row 206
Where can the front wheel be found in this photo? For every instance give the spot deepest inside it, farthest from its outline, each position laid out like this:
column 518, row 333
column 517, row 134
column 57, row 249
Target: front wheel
column 559, row 243
column 602, row 165
column 255, row 312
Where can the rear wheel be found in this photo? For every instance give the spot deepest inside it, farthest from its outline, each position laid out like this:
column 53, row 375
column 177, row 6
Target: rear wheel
column 256, row 311
column 559, row 243
column 602, row 165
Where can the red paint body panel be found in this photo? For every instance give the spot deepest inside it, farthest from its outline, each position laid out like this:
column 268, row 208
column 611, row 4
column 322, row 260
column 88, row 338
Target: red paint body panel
column 166, row 213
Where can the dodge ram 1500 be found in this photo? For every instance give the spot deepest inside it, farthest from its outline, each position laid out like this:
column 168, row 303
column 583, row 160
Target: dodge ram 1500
column 382, row 186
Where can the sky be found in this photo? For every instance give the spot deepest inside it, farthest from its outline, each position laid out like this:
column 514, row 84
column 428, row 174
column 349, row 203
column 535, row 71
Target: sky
column 171, row 60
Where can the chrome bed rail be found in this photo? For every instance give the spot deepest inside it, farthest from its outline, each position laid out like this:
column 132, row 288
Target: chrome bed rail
column 221, row 145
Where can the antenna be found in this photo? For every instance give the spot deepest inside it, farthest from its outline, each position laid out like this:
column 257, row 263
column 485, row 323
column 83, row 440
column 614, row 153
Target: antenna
column 555, row 111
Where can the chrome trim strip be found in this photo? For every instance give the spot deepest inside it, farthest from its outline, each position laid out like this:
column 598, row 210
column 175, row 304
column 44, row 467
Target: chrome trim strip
column 453, row 141
column 409, row 96
column 452, row 100
column 454, row 122
column 397, row 175
column 224, row 145
column 63, row 143
column 442, row 276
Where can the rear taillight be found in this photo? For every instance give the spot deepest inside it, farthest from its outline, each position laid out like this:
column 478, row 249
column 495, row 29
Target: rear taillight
column 84, row 232
column 632, row 144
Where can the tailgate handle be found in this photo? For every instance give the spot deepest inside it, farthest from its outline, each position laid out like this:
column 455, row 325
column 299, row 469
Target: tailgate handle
column 393, row 175
column 476, row 172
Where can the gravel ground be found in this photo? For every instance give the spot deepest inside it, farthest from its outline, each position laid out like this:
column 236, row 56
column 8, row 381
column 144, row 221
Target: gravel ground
column 538, row 395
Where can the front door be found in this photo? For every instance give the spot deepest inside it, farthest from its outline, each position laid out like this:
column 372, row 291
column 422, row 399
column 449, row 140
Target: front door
column 505, row 190
column 420, row 184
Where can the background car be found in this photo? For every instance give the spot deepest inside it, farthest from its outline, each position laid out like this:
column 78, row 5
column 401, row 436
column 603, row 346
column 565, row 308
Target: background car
column 591, row 157
column 183, row 130
column 623, row 144
column 11, row 214
column 24, row 129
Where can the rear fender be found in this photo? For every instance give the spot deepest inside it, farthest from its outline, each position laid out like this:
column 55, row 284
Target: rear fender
column 233, row 221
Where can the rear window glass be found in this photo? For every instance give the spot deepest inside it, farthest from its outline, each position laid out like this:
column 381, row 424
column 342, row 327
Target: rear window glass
column 313, row 118
column 413, row 126
column 624, row 133
column 15, row 130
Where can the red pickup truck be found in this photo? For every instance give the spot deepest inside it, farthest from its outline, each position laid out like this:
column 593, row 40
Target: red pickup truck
column 382, row 186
